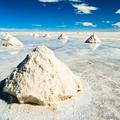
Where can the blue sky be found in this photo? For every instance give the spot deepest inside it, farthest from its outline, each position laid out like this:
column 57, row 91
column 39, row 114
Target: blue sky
column 60, row 15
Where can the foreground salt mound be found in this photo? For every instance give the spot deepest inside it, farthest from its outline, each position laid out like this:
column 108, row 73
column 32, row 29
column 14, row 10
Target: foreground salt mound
column 9, row 40
column 41, row 78
column 93, row 39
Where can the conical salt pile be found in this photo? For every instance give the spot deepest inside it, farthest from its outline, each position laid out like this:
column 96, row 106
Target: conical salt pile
column 93, row 39
column 10, row 41
column 36, row 35
column 42, row 79
column 63, row 36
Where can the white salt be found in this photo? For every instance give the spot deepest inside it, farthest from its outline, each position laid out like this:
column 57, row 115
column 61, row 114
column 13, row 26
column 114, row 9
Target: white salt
column 43, row 79
column 93, row 39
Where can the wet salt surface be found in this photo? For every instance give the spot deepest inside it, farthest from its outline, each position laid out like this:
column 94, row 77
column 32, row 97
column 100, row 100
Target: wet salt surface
column 99, row 72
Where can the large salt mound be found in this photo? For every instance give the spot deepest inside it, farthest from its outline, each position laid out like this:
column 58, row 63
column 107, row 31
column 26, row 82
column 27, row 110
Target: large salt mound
column 93, row 39
column 9, row 40
column 42, row 79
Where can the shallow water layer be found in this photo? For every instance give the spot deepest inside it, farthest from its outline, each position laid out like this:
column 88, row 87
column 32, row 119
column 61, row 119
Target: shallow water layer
column 97, row 66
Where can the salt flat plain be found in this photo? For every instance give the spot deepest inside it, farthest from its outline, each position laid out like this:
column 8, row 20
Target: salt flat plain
column 98, row 70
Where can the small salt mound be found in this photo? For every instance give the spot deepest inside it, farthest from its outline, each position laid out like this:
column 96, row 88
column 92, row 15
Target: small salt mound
column 41, row 78
column 31, row 34
column 46, row 36
column 93, row 39
column 10, row 41
column 63, row 36
column 36, row 35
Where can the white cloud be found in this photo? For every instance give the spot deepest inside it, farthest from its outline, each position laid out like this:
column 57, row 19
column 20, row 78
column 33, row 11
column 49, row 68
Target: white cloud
column 116, row 24
column 84, row 8
column 118, row 11
column 52, row 1
column 106, row 21
column 87, row 24
column 36, row 25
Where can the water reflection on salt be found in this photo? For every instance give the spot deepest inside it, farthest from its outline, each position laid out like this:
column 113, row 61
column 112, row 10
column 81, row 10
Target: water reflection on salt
column 73, row 46
column 93, row 46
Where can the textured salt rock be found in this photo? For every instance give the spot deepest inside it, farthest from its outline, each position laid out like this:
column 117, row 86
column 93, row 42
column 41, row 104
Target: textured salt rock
column 93, row 39
column 9, row 40
column 42, row 79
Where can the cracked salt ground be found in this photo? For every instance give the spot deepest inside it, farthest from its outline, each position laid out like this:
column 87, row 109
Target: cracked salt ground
column 99, row 71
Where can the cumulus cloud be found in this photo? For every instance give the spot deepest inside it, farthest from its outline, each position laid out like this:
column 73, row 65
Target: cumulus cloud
column 118, row 11
column 52, row 1
column 87, row 24
column 84, row 8
column 116, row 24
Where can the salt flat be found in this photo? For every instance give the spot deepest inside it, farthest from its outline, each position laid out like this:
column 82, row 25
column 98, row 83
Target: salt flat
column 98, row 70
